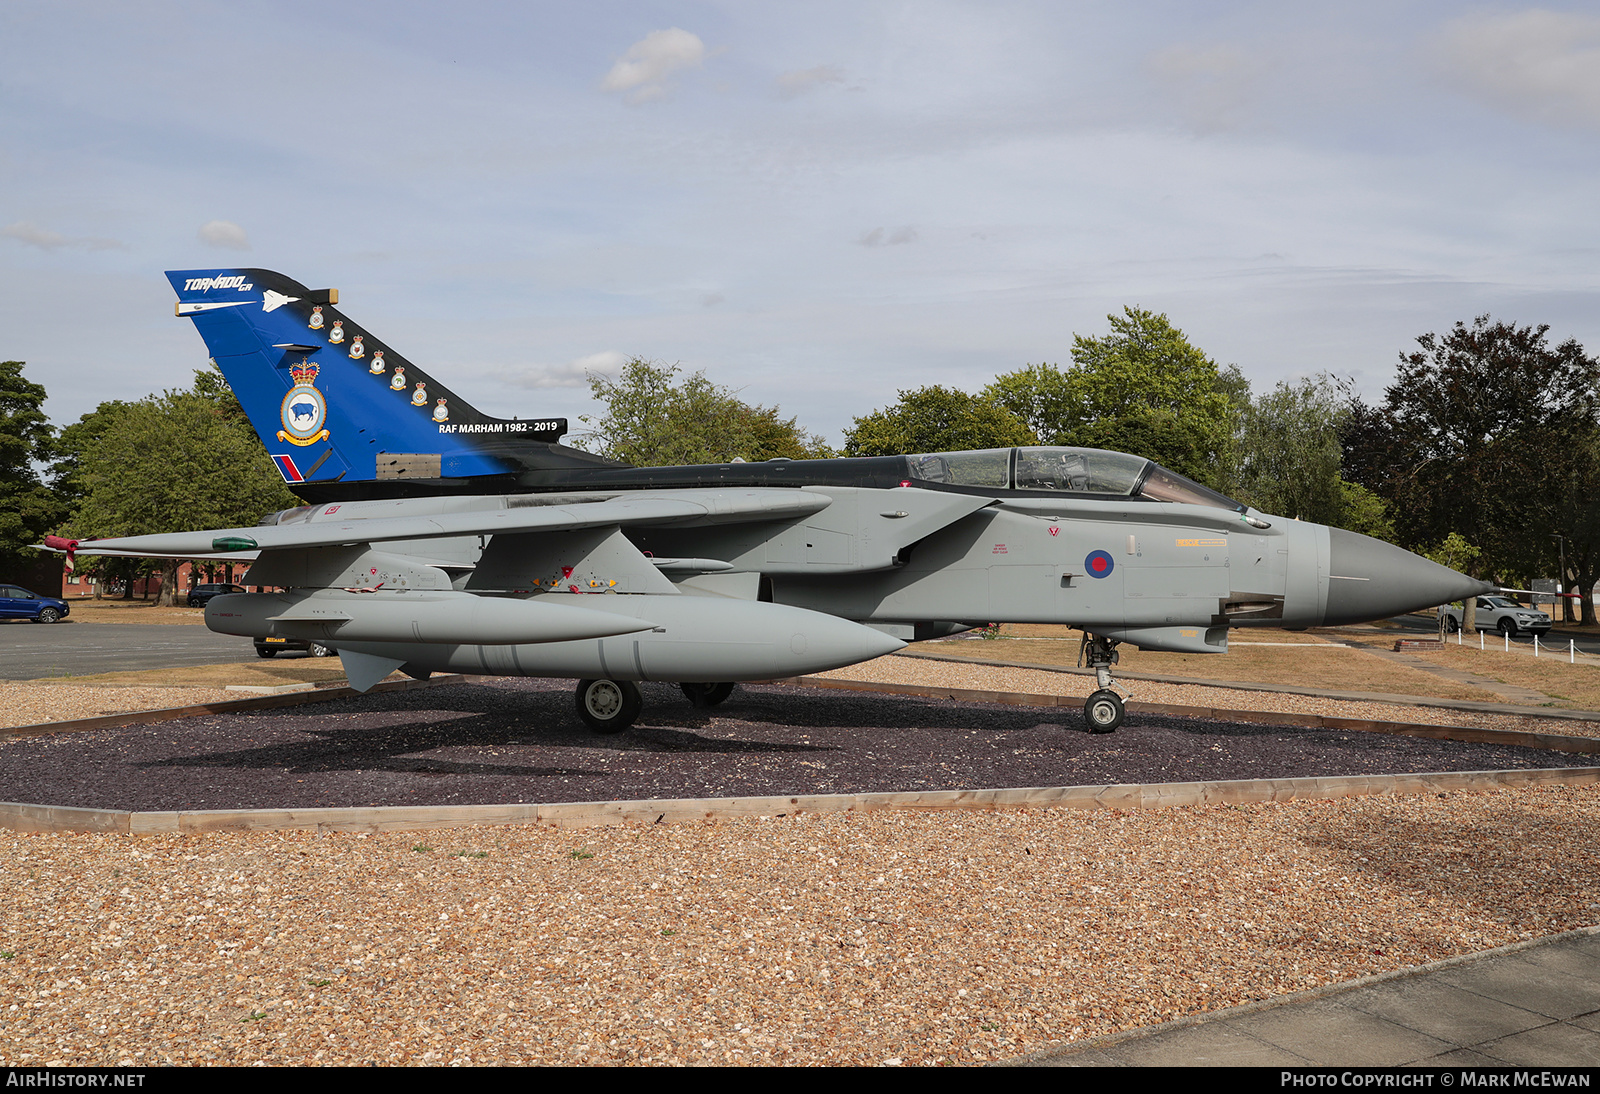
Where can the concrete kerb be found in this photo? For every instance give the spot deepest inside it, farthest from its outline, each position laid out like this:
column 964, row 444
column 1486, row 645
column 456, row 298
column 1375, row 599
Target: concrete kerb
column 24, row 817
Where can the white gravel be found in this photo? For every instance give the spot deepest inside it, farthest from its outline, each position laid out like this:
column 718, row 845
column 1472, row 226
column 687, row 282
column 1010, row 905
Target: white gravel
column 841, row 939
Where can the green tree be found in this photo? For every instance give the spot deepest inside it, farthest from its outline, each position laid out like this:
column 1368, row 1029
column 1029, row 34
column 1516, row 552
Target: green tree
column 1361, row 510
column 652, row 420
column 178, row 460
column 936, row 419
column 1144, row 388
column 28, row 508
column 1490, row 431
column 1287, row 451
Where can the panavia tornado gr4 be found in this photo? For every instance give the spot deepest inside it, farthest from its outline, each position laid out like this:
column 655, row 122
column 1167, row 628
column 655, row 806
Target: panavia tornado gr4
column 437, row 538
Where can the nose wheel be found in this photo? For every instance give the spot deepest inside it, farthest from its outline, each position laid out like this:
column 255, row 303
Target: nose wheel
column 1104, row 711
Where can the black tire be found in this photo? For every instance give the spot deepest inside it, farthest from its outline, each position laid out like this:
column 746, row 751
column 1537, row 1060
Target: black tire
column 47, row 615
column 320, row 651
column 1104, row 712
column 196, row 602
column 1452, row 624
column 608, row 706
column 706, row 695
column 263, row 651
column 1508, row 628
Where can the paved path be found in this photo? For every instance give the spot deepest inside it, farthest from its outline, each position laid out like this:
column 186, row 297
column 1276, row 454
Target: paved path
column 29, row 651
column 1535, row 1004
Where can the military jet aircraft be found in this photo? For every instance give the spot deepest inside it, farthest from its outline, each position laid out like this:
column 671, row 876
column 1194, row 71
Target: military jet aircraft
column 438, row 538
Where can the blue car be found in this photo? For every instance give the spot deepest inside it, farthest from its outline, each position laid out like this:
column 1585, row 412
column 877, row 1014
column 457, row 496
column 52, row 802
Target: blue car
column 18, row 603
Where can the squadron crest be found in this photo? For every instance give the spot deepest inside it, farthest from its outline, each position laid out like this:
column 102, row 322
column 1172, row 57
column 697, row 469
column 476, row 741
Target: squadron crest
column 304, row 411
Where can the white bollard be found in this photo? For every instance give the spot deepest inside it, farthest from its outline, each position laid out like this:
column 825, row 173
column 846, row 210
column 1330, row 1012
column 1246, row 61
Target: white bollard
column 1536, row 645
column 1480, row 640
column 1508, row 643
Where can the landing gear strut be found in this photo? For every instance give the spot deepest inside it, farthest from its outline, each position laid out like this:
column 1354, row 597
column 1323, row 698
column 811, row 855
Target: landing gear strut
column 608, row 706
column 1104, row 711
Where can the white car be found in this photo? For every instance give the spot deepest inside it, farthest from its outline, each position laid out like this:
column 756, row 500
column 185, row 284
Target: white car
column 1500, row 613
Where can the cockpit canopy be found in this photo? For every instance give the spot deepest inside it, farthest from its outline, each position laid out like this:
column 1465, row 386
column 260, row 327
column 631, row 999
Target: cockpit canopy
column 1090, row 472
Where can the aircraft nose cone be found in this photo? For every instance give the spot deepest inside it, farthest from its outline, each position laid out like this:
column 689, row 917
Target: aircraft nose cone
column 1369, row 579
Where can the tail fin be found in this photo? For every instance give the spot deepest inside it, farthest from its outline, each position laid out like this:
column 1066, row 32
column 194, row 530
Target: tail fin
column 331, row 401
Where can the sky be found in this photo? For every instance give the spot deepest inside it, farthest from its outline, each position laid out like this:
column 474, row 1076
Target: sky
column 819, row 204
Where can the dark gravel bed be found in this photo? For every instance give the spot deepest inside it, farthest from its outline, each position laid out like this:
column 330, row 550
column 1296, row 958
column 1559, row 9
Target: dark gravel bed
column 521, row 741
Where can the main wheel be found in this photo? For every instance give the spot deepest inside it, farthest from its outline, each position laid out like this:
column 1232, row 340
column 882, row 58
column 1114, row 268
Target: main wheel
column 47, row 615
column 1508, row 628
column 706, row 695
column 608, row 706
column 1104, row 712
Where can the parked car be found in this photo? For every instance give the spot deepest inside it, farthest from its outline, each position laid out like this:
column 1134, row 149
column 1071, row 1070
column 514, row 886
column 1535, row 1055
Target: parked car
column 18, row 603
column 201, row 594
column 1500, row 613
column 271, row 647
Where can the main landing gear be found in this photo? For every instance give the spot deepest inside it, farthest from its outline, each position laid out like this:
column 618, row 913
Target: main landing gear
column 611, row 706
column 608, row 706
column 1104, row 711
column 706, row 695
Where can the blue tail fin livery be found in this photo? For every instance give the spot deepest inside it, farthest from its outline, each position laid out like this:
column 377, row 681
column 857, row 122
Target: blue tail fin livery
column 335, row 404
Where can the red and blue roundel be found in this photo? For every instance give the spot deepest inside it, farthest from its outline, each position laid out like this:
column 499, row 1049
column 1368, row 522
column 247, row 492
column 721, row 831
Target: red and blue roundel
column 1099, row 564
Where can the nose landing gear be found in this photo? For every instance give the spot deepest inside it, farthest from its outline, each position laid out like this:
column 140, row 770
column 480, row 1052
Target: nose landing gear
column 1104, row 711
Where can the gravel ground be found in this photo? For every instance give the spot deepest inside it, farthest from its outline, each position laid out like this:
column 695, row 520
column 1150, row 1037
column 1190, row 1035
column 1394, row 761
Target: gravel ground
column 520, row 740
column 842, row 939
column 26, row 703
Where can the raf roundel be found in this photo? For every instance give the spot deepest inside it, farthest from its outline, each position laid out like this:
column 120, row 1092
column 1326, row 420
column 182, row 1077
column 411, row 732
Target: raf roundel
column 1099, row 564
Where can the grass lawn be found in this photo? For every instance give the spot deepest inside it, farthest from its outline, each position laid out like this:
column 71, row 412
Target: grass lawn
column 256, row 673
column 90, row 610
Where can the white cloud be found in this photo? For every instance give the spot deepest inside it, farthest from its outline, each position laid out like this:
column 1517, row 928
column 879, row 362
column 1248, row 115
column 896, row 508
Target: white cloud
column 26, row 231
column 30, row 233
column 571, row 374
column 641, row 73
column 225, row 234
column 802, row 80
column 1543, row 64
column 1213, row 84
column 878, row 237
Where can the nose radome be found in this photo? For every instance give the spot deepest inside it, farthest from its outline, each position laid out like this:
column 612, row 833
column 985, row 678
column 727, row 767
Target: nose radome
column 1369, row 579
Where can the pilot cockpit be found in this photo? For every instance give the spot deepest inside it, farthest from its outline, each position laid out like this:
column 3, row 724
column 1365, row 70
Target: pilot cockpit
column 1087, row 472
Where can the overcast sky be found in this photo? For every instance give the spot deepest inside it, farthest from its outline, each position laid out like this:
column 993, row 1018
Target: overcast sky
column 818, row 204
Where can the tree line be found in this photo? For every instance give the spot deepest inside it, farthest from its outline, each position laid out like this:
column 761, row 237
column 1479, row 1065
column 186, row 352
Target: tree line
column 1484, row 452
column 180, row 459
